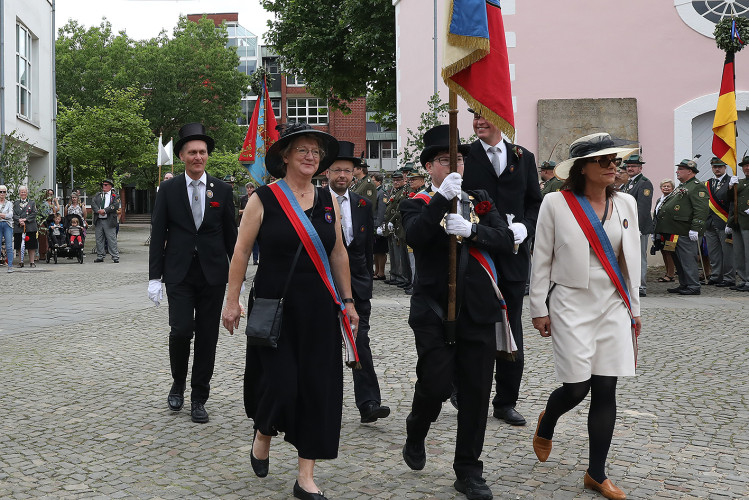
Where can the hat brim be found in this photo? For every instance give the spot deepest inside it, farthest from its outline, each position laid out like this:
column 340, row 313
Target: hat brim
column 428, row 153
column 210, row 144
column 328, row 162
column 562, row 169
column 274, row 161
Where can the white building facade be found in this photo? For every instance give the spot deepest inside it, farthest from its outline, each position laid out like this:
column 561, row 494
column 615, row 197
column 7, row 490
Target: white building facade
column 27, row 83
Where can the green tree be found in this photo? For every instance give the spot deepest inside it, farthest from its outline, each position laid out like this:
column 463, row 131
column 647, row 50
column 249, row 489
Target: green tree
column 111, row 140
column 14, row 166
column 343, row 49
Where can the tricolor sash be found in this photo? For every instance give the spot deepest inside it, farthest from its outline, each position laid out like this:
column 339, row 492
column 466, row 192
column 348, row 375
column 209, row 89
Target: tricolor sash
column 599, row 241
column 715, row 206
column 503, row 333
column 316, row 251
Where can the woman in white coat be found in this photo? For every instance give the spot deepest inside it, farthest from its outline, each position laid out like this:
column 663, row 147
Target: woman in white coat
column 586, row 260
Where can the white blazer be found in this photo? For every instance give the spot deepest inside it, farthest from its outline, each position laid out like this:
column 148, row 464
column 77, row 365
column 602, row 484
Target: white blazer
column 562, row 253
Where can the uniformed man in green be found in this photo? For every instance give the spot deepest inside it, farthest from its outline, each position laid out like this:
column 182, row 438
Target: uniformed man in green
column 391, row 213
column 680, row 224
column 738, row 226
column 551, row 183
column 400, row 246
column 363, row 185
column 417, row 181
column 641, row 189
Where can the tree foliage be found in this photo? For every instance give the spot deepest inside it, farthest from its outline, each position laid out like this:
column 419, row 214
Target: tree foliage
column 14, row 167
column 343, row 49
column 107, row 141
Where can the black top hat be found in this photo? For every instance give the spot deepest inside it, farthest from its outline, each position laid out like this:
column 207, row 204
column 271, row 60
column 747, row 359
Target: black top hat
column 193, row 132
column 345, row 152
column 437, row 139
column 273, row 160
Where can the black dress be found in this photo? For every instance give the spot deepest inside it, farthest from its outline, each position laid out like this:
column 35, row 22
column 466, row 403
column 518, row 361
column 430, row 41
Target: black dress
column 297, row 388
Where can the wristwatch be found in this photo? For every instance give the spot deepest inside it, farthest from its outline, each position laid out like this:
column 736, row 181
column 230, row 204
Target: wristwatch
column 348, row 301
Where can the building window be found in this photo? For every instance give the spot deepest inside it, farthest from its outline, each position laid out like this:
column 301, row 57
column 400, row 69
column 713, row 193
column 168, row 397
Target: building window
column 276, row 105
column 307, row 109
column 295, row 81
column 703, row 15
column 248, row 107
column 389, row 149
column 373, row 149
column 23, row 71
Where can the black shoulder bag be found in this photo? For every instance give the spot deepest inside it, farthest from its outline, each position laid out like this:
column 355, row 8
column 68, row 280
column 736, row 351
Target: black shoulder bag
column 264, row 316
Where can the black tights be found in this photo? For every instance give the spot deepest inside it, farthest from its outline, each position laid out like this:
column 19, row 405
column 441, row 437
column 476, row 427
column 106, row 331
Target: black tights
column 601, row 417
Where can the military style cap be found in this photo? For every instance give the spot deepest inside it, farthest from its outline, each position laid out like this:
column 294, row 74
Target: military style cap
column 634, row 160
column 715, row 161
column 548, row 165
column 689, row 164
column 745, row 161
column 418, row 172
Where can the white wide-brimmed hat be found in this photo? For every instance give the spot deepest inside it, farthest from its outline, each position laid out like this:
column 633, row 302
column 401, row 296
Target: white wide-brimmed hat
column 598, row 144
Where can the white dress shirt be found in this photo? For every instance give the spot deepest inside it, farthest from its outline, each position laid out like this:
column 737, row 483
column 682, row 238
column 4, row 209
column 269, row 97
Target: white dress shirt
column 502, row 154
column 344, row 201
column 201, row 191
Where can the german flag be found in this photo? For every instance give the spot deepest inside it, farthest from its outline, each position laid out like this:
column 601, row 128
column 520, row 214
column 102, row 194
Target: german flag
column 724, row 125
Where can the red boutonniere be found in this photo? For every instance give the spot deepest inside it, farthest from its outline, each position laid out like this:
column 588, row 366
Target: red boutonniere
column 362, row 202
column 215, row 204
column 328, row 209
column 518, row 152
column 483, row 207
column 27, row 238
column 411, row 195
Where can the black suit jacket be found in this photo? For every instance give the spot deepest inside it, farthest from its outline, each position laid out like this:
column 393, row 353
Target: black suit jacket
column 516, row 192
column 429, row 241
column 360, row 249
column 722, row 195
column 174, row 238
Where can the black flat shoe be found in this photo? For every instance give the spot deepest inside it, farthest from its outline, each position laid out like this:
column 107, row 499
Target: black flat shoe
column 414, row 455
column 176, row 397
column 198, row 413
column 260, row 467
column 474, row 488
column 373, row 410
column 300, row 492
column 509, row 415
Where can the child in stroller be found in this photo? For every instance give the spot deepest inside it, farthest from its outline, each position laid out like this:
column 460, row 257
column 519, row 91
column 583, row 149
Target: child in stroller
column 75, row 233
column 56, row 232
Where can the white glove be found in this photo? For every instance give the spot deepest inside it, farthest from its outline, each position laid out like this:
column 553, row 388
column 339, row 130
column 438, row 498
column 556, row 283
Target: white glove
column 729, row 230
column 734, row 180
column 693, row 235
column 451, row 186
column 379, row 231
column 390, row 226
column 520, row 232
column 746, row 211
column 458, row 226
column 154, row 291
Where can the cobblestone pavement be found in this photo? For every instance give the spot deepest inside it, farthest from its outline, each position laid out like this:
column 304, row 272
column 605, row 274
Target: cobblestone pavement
column 85, row 375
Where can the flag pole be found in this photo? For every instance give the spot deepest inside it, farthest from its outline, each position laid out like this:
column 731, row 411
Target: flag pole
column 453, row 245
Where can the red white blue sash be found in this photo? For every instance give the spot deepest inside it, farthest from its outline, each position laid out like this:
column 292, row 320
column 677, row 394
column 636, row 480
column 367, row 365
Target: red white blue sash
column 599, row 241
column 316, row 251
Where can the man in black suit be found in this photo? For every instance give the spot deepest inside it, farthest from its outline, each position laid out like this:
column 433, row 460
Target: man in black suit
column 641, row 188
column 719, row 250
column 192, row 240
column 467, row 360
column 508, row 173
column 358, row 233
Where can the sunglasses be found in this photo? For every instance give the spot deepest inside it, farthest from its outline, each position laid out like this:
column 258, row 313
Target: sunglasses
column 605, row 162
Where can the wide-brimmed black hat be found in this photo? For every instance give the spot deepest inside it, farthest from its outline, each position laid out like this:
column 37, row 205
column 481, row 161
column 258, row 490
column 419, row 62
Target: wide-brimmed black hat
column 598, row 144
column 437, row 139
column 345, row 152
column 193, row 132
column 274, row 161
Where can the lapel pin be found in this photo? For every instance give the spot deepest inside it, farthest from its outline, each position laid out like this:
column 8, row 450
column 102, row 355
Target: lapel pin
column 625, row 223
column 209, row 193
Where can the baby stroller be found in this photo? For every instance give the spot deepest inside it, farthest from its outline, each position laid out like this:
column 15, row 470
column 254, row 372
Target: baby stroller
column 70, row 249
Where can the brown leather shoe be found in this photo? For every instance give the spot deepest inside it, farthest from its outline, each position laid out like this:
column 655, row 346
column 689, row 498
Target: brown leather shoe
column 607, row 489
column 541, row 446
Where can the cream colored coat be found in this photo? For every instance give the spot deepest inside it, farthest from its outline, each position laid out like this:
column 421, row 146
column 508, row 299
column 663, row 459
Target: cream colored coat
column 562, row 254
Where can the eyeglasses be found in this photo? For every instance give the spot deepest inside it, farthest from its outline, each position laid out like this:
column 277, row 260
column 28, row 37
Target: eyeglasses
column 605, row 162
column 342, row 171
column 445, row 160
column 306, row 151
column 3, row 191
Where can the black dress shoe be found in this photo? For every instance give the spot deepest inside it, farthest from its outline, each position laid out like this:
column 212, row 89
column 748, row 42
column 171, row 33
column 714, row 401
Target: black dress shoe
column 300, row 492
column 388, row 281
column 409, row 290
column 724, row 284
column 676, row 289
column 712, row 282
column 403, row 284
column 260, row 467
column 198, row 413
column 510, row 415
column 415, row 455
column 98, row 260
column 372, row 410
column 474, row 488
column 454, row 399
column 176, row 397
column 689, row 291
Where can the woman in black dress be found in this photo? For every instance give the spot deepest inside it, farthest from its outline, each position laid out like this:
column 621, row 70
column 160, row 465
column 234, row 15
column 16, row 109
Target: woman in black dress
column 296, row 388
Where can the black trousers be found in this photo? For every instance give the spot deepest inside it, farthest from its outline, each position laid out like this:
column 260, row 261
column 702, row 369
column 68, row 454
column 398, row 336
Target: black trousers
column 509, row 373
column 468, row 364
column 194, row 308
column 366, row 386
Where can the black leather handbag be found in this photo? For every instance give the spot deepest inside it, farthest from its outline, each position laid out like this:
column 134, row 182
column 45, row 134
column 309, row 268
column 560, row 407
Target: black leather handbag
column 264, row 316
